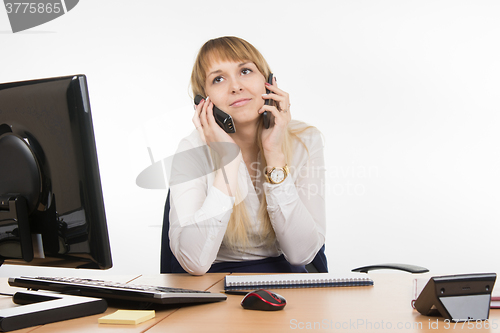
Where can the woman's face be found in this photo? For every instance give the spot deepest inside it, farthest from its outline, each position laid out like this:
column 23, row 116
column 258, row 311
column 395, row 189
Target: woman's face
column 236, row 88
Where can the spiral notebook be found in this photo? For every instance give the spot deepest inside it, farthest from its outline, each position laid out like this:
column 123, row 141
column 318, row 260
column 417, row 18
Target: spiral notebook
column 303, row 280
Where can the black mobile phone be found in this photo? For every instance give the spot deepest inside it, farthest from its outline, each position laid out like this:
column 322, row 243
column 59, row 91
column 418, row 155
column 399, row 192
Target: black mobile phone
column 266, row 116
column 223, row 119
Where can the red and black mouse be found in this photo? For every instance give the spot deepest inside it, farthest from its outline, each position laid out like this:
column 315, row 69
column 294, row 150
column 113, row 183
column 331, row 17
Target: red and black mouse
column 263, row 300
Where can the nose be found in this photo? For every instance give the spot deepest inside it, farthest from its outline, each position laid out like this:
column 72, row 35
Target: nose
column 236, row 86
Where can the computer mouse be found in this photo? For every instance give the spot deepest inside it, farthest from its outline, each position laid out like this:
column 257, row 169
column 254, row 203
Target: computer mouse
column 263, row 300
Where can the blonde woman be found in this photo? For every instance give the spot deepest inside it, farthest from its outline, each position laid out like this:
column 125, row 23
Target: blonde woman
column 252, row 200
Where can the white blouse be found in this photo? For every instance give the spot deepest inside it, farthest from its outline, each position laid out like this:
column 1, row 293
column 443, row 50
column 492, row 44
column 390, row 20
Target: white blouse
column 200, row 213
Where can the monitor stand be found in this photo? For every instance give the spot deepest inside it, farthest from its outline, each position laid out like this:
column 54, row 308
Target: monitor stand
column 15, row 234
column 39, row 308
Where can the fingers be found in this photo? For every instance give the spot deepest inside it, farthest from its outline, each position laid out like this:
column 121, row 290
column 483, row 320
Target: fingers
column 197, row 112
column 281, row 97
column 274, row 88
column 279, row 115
column 202, row 115
column 282, row 109
column 197, row 120
column 207, row 114
column 205, row 123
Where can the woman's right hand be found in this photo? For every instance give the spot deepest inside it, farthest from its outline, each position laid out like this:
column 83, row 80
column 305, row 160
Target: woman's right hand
column 210, row 132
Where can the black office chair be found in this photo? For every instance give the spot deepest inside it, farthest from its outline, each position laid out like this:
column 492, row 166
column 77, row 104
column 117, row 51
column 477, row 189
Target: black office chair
column 169, row 264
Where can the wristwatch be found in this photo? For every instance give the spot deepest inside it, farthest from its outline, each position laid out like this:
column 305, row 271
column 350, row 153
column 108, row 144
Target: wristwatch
column 277, row 175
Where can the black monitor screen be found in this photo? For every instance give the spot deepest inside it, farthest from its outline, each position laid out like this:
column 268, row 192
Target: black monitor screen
column 51, row 203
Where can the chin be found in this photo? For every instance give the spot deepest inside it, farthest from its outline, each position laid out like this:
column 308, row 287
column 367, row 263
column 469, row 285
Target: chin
column 245, row 121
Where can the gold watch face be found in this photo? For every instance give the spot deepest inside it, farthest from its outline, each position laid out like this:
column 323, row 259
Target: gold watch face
column 277, row 175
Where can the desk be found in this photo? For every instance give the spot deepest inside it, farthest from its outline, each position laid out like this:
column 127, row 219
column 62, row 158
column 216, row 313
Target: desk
column 384, row 307
column 89, row 324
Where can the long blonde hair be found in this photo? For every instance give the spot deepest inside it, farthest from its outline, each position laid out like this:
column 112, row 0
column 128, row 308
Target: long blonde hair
column 236, row 49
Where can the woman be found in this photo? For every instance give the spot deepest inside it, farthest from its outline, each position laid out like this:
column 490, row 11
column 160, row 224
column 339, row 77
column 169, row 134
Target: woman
column 254, row 200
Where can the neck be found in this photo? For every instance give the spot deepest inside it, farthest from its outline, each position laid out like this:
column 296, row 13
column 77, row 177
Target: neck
column 246, row 138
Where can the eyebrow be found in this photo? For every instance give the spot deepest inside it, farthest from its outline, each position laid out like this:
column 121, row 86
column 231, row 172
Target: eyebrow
column 220, row 71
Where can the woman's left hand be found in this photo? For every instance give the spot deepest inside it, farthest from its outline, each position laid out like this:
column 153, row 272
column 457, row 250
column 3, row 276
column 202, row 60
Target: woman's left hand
column 272, row 137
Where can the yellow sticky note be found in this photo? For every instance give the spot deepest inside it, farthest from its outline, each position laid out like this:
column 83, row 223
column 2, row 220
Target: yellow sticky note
column 129, row 317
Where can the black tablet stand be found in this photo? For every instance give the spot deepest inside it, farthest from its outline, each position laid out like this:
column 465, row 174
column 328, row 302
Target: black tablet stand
column 464, row 297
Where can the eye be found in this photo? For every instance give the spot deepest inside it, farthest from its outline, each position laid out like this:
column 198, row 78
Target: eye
column 246, row 71
column 218, row 79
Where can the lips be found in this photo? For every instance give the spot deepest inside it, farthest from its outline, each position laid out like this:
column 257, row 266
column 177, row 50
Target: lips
column 240, row 102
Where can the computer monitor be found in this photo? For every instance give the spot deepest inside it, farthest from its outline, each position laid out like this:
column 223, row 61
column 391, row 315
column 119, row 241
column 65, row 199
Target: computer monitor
column 51, row 202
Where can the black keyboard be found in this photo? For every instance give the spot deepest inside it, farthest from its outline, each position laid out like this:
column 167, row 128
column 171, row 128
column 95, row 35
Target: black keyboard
column 117, row 291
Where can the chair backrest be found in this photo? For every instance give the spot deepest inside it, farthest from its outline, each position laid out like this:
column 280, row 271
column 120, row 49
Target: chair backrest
column 169, row 264
column 319, row 263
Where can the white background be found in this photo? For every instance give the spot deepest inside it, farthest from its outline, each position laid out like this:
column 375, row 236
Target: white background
column 406, row 94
